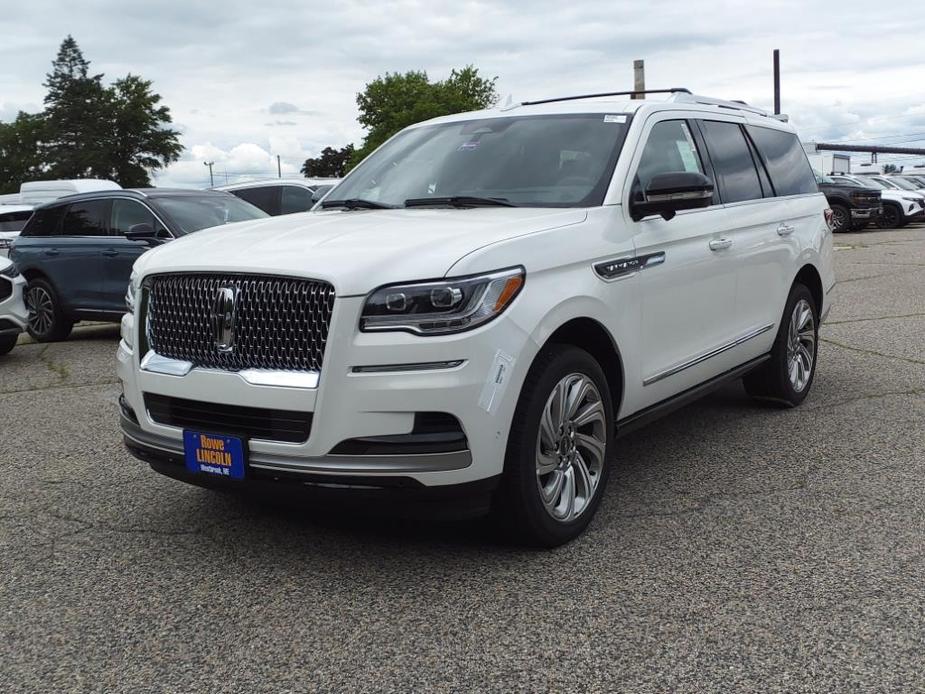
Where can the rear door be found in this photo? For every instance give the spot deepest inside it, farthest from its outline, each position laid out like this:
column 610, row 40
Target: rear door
column 73, row 257
column 796, row 218
column 121, row 253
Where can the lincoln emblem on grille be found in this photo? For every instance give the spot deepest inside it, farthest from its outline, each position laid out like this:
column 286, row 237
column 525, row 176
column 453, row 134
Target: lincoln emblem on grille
column 223, row 318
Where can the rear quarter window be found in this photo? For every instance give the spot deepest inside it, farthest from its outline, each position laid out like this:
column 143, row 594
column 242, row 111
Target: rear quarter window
column 785, row 160
column 264, row 197
column 44, row 222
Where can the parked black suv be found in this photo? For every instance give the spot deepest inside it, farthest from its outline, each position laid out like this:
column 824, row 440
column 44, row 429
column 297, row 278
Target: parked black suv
column 77, row 252
column 853, row 208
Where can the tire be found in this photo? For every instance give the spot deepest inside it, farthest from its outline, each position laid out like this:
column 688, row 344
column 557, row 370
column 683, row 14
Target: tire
column 890, row 218
column 7, row 342
column 787, row 378
column 47, row 322
column 575, row 455
column 841, row 218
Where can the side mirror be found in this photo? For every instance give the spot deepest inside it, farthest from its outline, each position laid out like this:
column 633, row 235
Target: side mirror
column 143, row 232
column 667, row 193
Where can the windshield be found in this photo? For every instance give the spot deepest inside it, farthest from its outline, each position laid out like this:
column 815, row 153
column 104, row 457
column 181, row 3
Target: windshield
column 902, row 183
column 191, row 213
column 865, row 182
column 537, row 161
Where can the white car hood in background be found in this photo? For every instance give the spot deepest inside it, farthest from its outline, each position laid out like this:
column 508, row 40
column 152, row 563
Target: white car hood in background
column 356, row 251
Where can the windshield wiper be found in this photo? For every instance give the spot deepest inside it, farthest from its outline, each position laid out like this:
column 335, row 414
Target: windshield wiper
column 357, row 204
column 459, row 201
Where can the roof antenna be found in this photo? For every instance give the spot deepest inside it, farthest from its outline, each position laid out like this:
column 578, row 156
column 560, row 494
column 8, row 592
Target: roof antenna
column 509, row 103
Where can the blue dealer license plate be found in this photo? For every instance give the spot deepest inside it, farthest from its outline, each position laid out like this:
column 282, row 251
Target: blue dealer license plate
column 214, row 454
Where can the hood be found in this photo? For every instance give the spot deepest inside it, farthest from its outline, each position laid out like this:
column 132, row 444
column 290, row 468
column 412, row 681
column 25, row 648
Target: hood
column 356, row 251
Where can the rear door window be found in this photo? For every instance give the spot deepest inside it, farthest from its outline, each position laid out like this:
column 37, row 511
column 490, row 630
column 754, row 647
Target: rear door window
column 264, row 197
column 90, row 218
column 785, row 160
column 735, row 168
column 295, row 199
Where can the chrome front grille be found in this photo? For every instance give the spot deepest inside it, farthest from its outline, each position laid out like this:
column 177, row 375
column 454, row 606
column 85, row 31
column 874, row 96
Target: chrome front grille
column 279, row 323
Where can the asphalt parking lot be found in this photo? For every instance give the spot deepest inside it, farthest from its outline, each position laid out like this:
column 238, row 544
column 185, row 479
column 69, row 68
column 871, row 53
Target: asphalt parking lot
column 738, row 548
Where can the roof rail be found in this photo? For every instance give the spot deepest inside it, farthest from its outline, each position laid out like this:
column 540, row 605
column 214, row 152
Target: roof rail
column 672, row 90
column 722, row 103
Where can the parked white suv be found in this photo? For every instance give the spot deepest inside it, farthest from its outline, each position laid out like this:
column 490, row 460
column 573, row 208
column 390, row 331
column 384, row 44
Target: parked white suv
column 483, row 306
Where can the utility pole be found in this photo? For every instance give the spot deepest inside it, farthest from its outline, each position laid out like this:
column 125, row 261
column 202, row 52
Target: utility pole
column 639, row 79
column 776, row 81
column 210, row 164
column 279, row 168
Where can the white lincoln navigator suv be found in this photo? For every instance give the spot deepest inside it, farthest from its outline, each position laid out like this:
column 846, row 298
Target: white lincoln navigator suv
column 478, row 311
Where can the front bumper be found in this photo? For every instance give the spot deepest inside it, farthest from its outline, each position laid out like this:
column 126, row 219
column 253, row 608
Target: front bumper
column 865, row 213
column 14, row 316
column 347, row 405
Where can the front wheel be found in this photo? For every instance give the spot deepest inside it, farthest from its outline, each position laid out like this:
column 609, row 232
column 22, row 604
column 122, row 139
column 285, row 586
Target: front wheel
column 787, row 377
column 841, row 218
column 890, row 218
column 556, row 466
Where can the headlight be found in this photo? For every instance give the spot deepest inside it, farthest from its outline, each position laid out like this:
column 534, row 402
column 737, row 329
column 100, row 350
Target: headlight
column 911, row 199
column 131, row 292
column 10, row 271
column 443, row 306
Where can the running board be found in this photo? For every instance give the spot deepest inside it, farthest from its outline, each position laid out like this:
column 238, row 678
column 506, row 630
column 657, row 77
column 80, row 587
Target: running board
column 660, row 409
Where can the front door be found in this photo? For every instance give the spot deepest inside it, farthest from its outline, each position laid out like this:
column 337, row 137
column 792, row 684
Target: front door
column 120, row 254
column 687, row 277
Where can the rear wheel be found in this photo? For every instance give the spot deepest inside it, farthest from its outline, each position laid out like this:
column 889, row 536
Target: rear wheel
column 47, row 322
column 556, row 465
column 788, row 376
column 7, row 342
column 841, row 218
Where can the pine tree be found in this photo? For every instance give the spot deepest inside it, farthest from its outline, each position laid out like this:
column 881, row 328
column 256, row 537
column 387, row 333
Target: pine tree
column 75, row 115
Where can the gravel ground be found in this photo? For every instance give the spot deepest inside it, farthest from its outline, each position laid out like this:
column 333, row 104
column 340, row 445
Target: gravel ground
column 739, row 548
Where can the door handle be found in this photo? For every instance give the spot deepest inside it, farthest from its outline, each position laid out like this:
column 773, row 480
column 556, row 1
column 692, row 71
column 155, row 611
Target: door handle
column 720, row 244
column 51, row 251
column 785, row 230
column 110, row 252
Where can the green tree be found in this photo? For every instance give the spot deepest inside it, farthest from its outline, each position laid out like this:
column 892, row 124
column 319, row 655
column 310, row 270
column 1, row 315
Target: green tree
column 75, row 115
column 332, row 163
column 88, row 129
column 395, row 101
column 21, row 151
column 890, row 168
column 139, row 139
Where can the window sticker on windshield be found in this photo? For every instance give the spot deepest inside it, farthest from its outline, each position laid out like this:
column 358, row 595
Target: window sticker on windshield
column 468, row 146
column 614, row 118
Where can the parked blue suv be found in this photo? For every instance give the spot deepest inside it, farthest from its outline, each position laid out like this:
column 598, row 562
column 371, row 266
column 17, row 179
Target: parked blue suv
column 77, row 252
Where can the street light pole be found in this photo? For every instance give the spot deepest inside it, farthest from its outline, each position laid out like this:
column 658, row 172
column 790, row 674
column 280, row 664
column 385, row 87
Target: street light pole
column 279, row 168
column 210, row 164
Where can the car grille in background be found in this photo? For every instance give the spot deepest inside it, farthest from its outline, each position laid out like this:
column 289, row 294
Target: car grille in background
column 212, row 418
column 866, row 199
column 280, row 323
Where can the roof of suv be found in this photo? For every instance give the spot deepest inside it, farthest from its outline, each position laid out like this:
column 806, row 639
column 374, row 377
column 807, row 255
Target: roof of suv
column 261, row 183
column 618, row 104
column 139, row 193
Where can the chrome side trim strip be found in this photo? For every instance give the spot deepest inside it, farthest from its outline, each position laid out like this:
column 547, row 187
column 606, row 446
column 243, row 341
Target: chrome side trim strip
column 398, row 368
column 708, row 355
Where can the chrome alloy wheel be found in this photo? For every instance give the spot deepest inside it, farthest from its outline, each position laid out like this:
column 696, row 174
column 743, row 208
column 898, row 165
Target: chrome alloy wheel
column 570, row 447
column 41, row 309
column 801, row 345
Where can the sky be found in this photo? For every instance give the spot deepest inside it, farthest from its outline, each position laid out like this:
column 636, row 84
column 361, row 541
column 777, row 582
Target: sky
column 247, row 81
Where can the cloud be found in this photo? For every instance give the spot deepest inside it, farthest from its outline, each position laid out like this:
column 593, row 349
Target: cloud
column 280, row 107
column 218, row 82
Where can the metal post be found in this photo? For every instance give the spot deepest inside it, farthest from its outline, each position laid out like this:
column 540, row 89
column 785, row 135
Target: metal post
column 211, row 179
column 776, row 81
column 279, row 168
column 639, row 79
